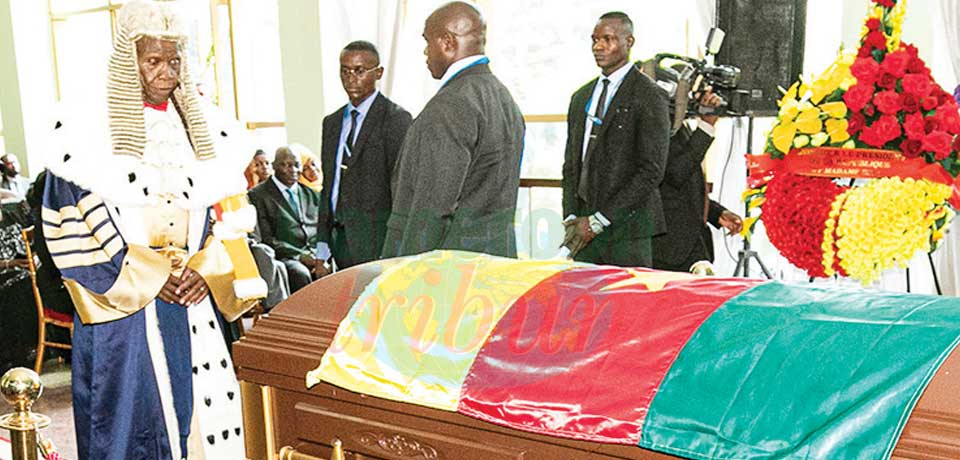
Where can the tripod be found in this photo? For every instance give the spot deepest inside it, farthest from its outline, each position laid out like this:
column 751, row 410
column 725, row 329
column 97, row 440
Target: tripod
column 745, row 254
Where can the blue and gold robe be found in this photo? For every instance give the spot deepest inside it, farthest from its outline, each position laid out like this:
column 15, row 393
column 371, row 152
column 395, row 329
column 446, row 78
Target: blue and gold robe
column 151, row 380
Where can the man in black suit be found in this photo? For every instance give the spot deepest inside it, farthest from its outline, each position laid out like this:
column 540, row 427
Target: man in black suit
column 458, row 174
column 361, row 142
column 287, row 217
column 618, row 132
column 686, row 207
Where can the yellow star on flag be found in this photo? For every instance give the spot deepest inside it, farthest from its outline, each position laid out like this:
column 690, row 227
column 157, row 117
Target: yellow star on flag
column 653, row 280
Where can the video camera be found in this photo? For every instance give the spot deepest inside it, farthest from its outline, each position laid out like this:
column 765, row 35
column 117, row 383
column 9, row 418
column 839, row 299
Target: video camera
column 684, row 79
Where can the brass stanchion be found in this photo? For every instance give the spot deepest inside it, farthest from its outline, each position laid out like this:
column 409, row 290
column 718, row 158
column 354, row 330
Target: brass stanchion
column 21, row 388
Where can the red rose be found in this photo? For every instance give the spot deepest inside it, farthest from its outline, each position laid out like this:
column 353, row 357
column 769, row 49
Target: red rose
column 956, row 144
column 855, row 123
column 884, row 130
column 869, row 110
column 913, row 126
column 888, row 81
column 917, row 85
column 876, row 40
column 910, row 103
column 911, row 148
column 911, row 50
column 944, row 97
column 858, row 96
column 917, row 66
column 886, row 3
column 939, row 143
column 866, row 70
column 929, row 103
column 895, row 63
column 887, row 102
column 930, row 124
column 948, row 117
column 873, row 24
column 864, row 51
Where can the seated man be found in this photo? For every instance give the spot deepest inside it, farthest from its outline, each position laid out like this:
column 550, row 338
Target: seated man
column 12, row 181
column 287, row 215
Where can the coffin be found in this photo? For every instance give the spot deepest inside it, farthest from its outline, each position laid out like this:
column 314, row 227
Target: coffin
column 280, row 412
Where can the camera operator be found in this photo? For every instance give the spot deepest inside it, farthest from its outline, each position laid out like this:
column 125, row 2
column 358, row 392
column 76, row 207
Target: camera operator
column 686, row 206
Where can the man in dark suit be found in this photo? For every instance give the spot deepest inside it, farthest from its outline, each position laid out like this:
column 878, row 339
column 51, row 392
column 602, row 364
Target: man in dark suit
column 686, row 207
column 287, row 217
column 361, row 142
column 459, row 169
column 618, row 131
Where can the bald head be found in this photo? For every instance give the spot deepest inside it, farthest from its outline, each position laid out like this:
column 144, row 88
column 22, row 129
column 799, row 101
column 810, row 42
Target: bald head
column 454, row 31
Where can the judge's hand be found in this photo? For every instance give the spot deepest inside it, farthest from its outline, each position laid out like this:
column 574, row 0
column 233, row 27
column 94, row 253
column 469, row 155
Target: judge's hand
column 187, row 289
column 730, row 221
column 168, row 293
column 193, row 288
column 577, row 234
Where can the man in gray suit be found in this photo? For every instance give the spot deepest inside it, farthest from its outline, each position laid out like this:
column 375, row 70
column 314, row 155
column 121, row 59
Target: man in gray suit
column 456, row 183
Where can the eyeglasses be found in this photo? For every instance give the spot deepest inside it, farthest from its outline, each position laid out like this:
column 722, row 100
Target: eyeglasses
column 357, row 72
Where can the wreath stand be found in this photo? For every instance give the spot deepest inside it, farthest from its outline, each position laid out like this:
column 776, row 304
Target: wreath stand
column 933, row 271
column 745, row 254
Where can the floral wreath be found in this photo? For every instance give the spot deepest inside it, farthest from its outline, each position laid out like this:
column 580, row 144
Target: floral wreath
column 859, row 171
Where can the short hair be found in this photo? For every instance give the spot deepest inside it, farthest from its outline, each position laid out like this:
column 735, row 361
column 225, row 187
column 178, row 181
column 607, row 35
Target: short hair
column 620, row 16
column 363, row 45
column 258, row 153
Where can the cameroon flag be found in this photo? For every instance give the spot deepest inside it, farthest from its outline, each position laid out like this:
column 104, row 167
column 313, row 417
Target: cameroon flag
column 707, row 368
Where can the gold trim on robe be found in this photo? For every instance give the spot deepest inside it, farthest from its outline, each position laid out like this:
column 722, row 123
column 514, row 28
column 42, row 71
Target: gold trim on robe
column 143, row 274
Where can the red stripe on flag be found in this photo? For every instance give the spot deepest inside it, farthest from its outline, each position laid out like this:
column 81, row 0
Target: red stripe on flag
column 571, row 359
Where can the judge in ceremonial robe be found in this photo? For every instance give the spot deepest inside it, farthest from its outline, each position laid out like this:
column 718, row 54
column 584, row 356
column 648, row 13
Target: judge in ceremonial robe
column 144, row 213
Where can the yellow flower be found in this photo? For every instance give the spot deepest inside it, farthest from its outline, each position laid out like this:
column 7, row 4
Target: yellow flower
column 819, row 139
column 789, row 110
column 837, row 129
column 808, row 122
column 790, row 94
column 783, row 136
column 835, row 109
column 884, row 223
column 748, row 226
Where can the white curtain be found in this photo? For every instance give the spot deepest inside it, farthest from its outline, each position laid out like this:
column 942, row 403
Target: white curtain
column 343, row 21
column 950, row 12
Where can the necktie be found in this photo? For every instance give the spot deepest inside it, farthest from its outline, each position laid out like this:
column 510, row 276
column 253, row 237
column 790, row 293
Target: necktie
column 353, row 129
column 292, row 199
column 583, row 186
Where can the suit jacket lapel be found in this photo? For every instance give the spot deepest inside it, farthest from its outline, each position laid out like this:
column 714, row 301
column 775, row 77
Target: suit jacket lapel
column 580, row 121
column 618, row 99
column 374, row 114
column 278, row 195
column 331, row 142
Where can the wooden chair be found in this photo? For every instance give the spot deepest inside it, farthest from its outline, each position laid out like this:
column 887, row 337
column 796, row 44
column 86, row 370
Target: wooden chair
column 45, row 316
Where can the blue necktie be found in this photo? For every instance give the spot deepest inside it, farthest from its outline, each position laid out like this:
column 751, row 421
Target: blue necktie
column 292, row 199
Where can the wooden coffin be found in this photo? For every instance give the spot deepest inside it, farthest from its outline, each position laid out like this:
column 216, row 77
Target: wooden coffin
column 279, row 411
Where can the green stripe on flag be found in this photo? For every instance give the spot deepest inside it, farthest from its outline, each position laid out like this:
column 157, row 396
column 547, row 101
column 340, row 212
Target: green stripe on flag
column 786, row 371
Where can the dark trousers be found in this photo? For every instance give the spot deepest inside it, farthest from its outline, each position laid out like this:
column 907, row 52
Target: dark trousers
column 635, row 252
column 298, row 274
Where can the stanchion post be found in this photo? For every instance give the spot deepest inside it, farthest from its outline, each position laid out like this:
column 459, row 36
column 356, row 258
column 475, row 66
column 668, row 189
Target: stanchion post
column 21, row 387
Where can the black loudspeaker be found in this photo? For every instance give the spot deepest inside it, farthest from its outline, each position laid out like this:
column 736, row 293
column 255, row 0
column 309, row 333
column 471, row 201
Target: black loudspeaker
column 765, row 39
